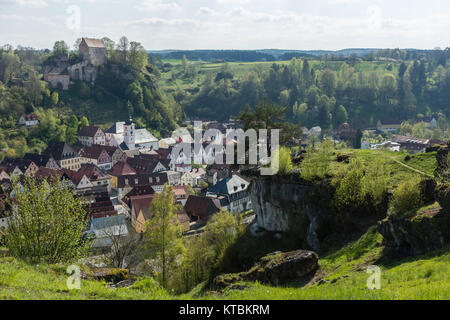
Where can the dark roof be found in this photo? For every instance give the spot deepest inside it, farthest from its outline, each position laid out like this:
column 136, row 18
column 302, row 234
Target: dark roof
column 154, row 179
column 201, row 207
column 45, row 173
column 91, row 171
column 229, row 185
column 93, row 152
column 146, row 165
column 88, row 131
column 60, row 150
column 22, row 164
column 121, row 168
column 40, row 160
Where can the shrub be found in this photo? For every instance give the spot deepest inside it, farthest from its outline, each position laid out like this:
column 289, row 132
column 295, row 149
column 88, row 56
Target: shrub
column 285, row 164
column 47, row 222
column 407, row 197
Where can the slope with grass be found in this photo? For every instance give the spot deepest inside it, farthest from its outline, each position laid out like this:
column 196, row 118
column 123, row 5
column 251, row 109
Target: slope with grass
column 343, row 276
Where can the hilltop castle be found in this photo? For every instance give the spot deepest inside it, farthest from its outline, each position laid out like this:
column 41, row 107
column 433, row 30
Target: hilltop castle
column 60, row 71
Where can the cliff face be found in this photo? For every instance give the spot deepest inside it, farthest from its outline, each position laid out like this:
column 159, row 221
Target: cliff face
column 285, row 204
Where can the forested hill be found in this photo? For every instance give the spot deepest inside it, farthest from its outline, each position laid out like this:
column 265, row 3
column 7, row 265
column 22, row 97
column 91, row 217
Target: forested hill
column 392, row 86
column 282, row 55
column 127, row 83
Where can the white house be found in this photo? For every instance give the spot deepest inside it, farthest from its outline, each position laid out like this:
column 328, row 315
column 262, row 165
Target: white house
column 105, row 229
column 28, row 120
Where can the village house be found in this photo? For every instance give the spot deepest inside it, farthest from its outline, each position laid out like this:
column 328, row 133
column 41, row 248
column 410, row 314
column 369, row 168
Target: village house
column 412, row 144
column 127, row 137
column 121, row 168
column 42, row 160
column 96, row 155
column 234, row 193
column 200, row 209
column 174, row 178
column 90, row 135
column 9, row 171
column 79, row 181
column 145, row 166
column 181, row 194
column 105, row 229
column 64, row 154
column 388, row 128
column 217, row 172
column 29, row 120
column 193, row 177
column 124, row 184
column 96, row 176
column 24, row 166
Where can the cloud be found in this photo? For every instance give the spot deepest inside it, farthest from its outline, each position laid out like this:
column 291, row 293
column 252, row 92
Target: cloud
column 206, row 11
column 24, row 3
column 158, row 6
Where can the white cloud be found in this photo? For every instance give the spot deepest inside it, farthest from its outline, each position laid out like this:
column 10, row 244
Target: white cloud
column 24, row 3
column 157, row 6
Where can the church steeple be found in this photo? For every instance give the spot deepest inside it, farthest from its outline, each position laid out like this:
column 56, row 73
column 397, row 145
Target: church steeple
column 129, row 131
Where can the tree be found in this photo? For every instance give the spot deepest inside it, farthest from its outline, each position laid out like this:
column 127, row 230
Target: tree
column 84, row 122
column 46, row 223
column 328, row 82
column 163, row 233
column 123, row 48
column 184, row 63
column 109, row 45
column 137, row 58
column 60, row 47
column 340, row 116
column 54, row 98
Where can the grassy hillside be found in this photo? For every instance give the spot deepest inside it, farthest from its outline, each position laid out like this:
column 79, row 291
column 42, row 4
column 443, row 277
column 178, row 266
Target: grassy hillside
column 424, row 277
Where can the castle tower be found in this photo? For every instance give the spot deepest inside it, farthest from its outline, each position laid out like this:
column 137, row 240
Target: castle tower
column 129, row 134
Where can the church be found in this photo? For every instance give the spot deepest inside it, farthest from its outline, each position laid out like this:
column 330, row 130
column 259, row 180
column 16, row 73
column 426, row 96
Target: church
column 125, row 136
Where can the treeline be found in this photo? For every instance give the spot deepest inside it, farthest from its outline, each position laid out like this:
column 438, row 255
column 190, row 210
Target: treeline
column 328, row 93
column 212, row 55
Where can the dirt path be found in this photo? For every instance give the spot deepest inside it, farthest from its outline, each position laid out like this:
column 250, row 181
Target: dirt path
column 411, row 168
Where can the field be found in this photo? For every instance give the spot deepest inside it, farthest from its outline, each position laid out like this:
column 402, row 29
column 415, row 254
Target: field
column 203, row 68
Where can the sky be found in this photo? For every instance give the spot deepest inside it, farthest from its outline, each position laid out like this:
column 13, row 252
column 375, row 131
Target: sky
column 230, row 24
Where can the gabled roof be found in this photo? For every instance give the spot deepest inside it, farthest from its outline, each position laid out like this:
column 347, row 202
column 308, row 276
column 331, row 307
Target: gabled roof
column 93, row 43
column 45, row 173
column 93, row 152
column 229, row 185
column 30, row 117
column 22, row 164
column 89, row 131
column 121, row 168
column 60, row 150
column 40, row 160
column 201, row 206
column 144, row 165
column 74, row 176
column 91, row 171
column 143, row 136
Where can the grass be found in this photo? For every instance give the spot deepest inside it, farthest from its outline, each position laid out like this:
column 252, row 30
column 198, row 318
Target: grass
column 19, row 280
column 425, row 162
column 425, row 277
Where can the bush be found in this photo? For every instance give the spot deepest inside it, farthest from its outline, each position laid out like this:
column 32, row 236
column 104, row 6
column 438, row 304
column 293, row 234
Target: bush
column 47, row 223
column 285, row 164
column 407, row 197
